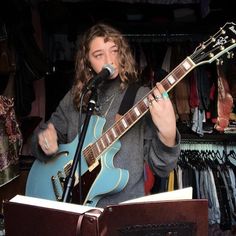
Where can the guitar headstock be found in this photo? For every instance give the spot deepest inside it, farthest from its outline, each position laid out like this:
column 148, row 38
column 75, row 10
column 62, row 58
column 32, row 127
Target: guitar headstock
column 217, row 45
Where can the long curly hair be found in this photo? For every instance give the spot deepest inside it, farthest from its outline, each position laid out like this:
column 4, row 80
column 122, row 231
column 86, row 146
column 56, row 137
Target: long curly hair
column 83, row 73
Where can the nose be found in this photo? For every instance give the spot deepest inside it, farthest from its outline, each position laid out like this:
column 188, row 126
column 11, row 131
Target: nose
column 108, row 59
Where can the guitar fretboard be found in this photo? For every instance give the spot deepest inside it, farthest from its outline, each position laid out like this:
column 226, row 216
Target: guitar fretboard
column 93, row 152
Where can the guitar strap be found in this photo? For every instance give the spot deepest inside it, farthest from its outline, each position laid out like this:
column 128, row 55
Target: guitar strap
column 126, row 104
column 128, row 100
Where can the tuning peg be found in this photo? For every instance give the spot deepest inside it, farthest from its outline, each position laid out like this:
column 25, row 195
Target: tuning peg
column 230, row 55
column 222, row 48
column 219, row 62
column 213, row 39
column 211, row 55
column 222, row 31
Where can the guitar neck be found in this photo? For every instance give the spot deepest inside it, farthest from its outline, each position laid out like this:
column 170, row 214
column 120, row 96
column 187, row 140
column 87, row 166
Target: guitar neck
column 177, row 74
column 93, row 152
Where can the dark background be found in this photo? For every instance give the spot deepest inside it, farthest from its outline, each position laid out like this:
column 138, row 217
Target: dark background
column 190, row 16
column 140, row 21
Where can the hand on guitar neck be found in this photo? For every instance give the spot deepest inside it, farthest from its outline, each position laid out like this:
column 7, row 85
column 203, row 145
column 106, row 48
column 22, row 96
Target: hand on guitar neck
column 163, row 115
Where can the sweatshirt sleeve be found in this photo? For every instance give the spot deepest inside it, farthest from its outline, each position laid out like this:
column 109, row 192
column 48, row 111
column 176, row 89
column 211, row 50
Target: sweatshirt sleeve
column 161, row 158
column 60, row 121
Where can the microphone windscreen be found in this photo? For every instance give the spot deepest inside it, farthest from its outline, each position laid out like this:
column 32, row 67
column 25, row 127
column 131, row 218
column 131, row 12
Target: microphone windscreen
column 110, row 68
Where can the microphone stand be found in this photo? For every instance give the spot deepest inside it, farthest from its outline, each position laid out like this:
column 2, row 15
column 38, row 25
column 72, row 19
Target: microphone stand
column 67, row 193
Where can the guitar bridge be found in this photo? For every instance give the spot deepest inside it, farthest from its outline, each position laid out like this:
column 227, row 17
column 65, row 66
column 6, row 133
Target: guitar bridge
column 58, row 185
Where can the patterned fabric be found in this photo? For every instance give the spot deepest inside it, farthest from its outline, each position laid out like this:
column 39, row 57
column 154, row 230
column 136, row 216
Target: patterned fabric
column 10, row 141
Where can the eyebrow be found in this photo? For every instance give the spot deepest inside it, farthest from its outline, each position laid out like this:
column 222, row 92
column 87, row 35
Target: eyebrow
column 114, row 46
column 100, row 50
column 96, row 51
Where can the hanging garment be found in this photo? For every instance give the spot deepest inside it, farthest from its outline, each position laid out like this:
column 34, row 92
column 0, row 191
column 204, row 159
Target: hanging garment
column 171, row 181
column 197, row 121
column 182, row 89
column 224, row 103
column 10, row 141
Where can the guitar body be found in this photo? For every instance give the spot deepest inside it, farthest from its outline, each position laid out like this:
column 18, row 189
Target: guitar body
column 45, row 178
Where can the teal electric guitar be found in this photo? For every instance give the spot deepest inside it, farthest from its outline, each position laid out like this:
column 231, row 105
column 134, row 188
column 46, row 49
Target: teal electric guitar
column 99, row 176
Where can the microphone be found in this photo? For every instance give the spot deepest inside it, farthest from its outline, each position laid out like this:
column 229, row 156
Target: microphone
column 107, row 71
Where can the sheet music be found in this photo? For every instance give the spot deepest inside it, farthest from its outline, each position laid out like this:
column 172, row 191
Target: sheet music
column 64, row 206
column 180, row 194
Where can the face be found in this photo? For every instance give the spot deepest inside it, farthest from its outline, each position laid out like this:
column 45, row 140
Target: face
column 102, row 53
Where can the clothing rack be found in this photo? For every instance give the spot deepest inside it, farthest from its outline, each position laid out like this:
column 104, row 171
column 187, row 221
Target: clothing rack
column 213, row 137
column 204, row 144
